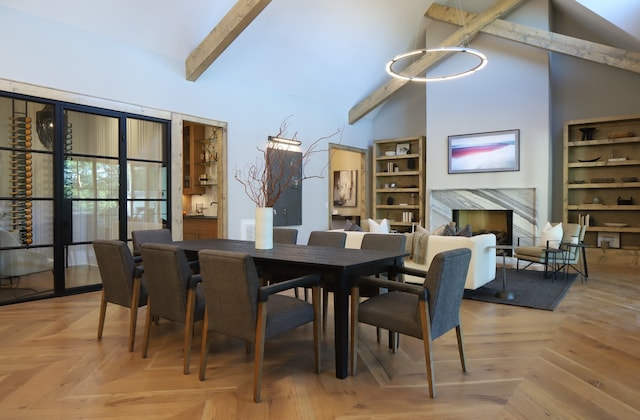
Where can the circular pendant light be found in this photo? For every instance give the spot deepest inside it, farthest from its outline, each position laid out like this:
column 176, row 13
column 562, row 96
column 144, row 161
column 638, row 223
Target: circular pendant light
column 457, row 50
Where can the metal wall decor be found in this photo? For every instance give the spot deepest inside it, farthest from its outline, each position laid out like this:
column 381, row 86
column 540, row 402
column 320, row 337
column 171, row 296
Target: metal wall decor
column 21, row 176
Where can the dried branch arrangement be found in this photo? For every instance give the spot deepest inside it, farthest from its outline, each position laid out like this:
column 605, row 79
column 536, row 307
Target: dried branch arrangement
column 277, row 168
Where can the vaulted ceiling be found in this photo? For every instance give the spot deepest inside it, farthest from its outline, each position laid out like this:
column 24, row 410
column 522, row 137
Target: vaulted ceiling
column 327, row 51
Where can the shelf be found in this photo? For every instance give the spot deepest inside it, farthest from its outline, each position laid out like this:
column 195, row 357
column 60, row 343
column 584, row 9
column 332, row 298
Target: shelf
column 626, row 229
column 398, row 190
column 396, row 157
column 622, row 140
column 605, row 185
column 400, row 173
column 409, row 179
column 603, row 163
column 632, row 207
column 397, row 207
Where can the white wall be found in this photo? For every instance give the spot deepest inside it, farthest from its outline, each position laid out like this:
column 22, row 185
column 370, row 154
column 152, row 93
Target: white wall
column 512, row 92
column 39, row 52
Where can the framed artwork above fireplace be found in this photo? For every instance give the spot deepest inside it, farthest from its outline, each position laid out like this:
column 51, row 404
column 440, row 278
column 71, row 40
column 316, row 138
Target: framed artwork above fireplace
column 496, row 151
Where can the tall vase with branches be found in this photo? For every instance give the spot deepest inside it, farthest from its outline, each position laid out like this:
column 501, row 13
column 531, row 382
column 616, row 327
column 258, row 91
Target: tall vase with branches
column 272, row 173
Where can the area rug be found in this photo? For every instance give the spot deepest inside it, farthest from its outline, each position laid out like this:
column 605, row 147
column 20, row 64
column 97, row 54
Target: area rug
column 529, row 288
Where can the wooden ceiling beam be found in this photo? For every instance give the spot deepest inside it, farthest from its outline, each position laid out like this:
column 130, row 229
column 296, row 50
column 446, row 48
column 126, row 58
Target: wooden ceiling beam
column 587, row 50
column 471, row 29
column 220, row 37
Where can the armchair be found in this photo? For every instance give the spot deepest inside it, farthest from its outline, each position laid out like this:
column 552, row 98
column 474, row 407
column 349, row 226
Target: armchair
column 238, row 307
column 553, row 254
column 424, row 311
column 173, row 292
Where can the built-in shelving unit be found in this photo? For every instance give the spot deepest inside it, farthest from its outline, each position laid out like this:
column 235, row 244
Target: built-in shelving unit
column 602, row 180
column 399, row 181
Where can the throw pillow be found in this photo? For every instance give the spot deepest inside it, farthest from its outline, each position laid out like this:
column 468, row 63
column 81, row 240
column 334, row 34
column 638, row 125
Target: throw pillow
column 382, row 227
column 551, row 234
column 449, row 231
column 466, row 231
column 348, row 226
column 439, row 230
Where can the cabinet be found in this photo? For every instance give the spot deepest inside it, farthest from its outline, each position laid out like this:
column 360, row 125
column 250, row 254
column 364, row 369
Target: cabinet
column 199, row 228
column 200, row 157
column 602, row 180
column 399, row 181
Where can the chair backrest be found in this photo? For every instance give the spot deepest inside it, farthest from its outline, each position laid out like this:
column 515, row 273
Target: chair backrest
column 383, row 242
column 156, row 236
column 117, row 269
column 445, row 282
column 326, row 238
column 571, row 233
column 285, row 236
column 231, row 293
column 168, row 274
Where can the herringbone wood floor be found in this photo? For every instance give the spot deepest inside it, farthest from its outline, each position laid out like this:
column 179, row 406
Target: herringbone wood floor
column 580, row 361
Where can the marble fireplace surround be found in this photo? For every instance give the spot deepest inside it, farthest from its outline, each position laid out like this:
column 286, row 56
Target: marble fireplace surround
column 521, row 200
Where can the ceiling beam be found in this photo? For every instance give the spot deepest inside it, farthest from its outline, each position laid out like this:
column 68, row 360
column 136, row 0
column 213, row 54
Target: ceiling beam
column 220, row 37
column 587, row 50
column 471, row 29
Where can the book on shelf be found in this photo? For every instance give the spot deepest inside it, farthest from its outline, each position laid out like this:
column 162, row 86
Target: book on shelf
column 584, row 219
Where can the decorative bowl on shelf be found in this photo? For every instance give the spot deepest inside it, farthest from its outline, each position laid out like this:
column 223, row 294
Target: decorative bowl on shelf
column 624, row 201
column 602, row 180
column 618, row 225
column 620, row 134
column 578, row 181
column 390, row 153
column 590, row 160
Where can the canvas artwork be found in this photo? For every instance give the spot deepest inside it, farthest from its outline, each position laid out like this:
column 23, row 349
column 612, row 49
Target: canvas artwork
column 345, row 188
column 497, row 151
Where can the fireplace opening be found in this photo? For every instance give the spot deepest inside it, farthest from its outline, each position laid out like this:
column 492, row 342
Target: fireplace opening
column 498, row 222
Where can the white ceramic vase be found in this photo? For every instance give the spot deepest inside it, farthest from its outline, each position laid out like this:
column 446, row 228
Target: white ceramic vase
column 264, row 228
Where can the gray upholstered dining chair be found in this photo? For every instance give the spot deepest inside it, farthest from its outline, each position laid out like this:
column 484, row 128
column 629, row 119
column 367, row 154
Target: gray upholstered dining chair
column 173, row 292
column 121, row 282
column 238, row 307
column 156, row 236
column 331, row 239
column 285, row 235
column 423, row 311
column 382, row 242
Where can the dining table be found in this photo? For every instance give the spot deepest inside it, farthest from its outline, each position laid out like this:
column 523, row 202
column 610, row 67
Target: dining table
column 336, row 265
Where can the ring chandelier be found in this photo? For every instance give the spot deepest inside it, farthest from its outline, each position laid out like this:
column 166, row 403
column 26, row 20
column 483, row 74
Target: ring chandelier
column 460, row 50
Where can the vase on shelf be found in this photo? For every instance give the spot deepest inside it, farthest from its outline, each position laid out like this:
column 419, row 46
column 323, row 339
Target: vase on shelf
column 264, row 228
column 587, row 133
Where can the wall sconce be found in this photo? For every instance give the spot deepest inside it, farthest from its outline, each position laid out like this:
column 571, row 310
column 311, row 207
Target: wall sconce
column 290, row 142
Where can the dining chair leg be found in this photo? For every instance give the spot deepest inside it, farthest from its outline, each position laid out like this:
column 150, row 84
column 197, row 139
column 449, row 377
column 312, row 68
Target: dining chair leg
column 204, row 346
column 325, row 308
column 133, row 314
column 188, row 328
column 461, row 348
column 103, row 311
column 426, row 341
column 147, row 324
column 261, row 325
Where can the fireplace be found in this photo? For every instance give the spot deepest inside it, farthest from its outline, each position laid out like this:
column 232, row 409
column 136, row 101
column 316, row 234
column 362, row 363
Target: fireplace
column 520, row 202
column 498, row 222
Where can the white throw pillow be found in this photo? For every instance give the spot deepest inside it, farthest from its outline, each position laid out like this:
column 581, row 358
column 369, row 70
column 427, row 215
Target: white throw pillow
column 382, row 227
column 553, row 234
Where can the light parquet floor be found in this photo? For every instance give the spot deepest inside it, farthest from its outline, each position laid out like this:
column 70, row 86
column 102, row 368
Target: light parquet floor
column 579, row 361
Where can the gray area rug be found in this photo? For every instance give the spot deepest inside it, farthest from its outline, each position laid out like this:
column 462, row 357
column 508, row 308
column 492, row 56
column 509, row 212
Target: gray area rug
column 530, row 289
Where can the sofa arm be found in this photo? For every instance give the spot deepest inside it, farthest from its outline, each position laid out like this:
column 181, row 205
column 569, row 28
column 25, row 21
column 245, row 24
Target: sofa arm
column 482, row 267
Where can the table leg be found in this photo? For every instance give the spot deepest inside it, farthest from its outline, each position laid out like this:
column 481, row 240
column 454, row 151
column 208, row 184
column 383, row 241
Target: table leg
column 504, row 293
column 341, row 322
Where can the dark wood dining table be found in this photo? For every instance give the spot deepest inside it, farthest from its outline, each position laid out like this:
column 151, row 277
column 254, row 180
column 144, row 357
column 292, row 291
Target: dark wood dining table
column 337, row 265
